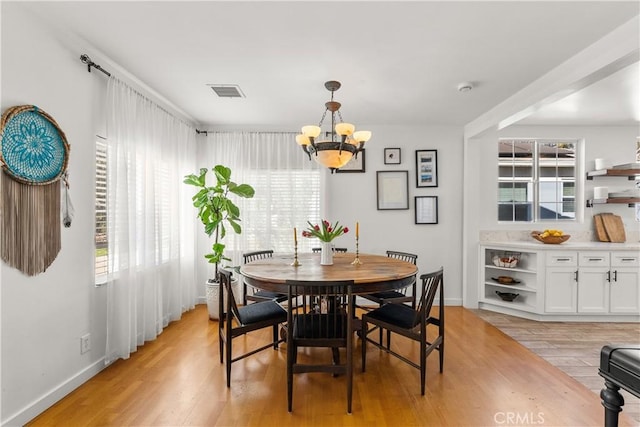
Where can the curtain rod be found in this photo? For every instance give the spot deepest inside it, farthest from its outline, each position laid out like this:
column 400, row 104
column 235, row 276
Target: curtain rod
column 86, row 60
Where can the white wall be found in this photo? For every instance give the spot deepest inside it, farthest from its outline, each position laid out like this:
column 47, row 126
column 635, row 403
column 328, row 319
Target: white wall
column 43, row 317
column 351, row 197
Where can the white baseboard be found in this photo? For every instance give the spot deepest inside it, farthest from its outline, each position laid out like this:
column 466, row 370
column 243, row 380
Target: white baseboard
column 48, row 399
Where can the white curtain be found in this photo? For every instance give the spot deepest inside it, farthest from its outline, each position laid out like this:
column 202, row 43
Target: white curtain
column 150, row 219
column 287, row 188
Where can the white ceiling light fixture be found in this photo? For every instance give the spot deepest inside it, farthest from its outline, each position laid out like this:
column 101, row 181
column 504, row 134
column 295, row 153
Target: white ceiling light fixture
column 331, row 153
column 465, row 86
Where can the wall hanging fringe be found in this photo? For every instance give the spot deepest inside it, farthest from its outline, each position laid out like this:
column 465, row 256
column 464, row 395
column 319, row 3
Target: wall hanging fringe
column 34, row 156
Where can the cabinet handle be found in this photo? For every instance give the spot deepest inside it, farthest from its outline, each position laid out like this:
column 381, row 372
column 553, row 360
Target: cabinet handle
column 575, row 275
column 615, row 275
column 628, row 259
column 609, row 276
column 563, row 259
column 596, row 259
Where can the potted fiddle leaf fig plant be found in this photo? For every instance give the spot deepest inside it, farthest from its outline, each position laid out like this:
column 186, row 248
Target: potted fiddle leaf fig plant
column 216, row 210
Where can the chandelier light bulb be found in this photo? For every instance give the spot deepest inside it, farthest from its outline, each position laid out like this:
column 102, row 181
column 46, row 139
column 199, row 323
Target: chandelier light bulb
column 311, row 131
column 302, row 139
column 362, row 135
column 345, row 129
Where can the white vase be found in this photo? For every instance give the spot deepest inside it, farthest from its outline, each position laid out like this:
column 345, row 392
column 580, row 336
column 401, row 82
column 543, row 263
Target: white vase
column 326, row 253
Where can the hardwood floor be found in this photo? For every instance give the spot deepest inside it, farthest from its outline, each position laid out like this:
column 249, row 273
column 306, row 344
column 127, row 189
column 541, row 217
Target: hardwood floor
column 489, row 379
column 573, row 347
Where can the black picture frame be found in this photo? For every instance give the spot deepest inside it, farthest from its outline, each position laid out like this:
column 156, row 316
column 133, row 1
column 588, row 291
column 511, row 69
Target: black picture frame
column 426, row 168
column 392, row 190
column 392, row 156
column 356, row 164
column 426, row 208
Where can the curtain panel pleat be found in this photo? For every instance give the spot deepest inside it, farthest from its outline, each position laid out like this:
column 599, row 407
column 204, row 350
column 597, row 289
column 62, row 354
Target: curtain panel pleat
column 150, row 219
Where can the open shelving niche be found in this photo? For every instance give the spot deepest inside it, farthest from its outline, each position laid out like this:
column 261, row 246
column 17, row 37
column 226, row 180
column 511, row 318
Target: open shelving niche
column 530, row 297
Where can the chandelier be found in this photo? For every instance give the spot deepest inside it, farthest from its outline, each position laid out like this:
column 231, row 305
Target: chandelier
column 337, row 147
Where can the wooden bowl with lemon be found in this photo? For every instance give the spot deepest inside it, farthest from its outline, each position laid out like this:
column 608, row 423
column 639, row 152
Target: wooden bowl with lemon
column 550, row 237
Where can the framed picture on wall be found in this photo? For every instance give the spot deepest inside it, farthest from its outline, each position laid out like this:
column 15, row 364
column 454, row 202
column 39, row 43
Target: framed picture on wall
column 426, row 209
column 356, row 164
column 426, row 168
column 393, row 190
column 392, row 156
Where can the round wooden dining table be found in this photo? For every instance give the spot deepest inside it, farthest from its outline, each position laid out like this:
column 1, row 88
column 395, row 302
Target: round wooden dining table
column 375, row 273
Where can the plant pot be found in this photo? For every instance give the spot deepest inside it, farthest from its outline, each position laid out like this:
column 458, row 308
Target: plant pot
column 212, row 289
column 326, row 253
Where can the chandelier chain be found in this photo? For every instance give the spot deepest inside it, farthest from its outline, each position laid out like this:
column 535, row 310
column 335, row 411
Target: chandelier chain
column 323, row 116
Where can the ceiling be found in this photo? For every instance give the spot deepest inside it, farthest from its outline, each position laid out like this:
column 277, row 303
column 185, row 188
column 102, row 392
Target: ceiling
column 399, row 62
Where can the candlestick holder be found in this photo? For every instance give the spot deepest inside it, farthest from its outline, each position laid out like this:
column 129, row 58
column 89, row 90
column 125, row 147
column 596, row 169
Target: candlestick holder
column 295, row 262
column 357, row 260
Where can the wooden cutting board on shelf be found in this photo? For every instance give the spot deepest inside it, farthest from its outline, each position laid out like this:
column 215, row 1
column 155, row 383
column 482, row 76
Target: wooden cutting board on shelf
column 615, row 228
column 601, row 232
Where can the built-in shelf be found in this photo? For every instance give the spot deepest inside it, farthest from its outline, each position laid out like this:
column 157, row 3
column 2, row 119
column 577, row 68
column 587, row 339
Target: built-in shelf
column 631, row 201
column 632, row 174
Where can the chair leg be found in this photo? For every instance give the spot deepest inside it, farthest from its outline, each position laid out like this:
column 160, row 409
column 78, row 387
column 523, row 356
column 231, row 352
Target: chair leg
column 275, row 337
column 290, row 361
column 221, row 340
column 423, row 363
column 388, row 339
column 244, row 293
column 228, row 352
column 363, row 336
column 441, row 351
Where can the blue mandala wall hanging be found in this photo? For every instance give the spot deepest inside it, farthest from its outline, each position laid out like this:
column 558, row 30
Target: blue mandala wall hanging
column 33, row 148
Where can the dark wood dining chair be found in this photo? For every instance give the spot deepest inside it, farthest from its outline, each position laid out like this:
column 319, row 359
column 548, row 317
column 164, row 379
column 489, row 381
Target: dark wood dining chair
column 326, row 322
column 411, row 323
column 398, row 297
column 236, row 321
column 250, row 293
column 318, row 250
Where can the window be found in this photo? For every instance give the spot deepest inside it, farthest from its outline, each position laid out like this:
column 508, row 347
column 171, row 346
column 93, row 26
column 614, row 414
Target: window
column 101, row 213
column 536, row 180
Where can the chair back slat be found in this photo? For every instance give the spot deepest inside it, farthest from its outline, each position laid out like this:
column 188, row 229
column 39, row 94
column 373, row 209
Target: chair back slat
column 430, row 284
column 404, row 256
column 255, row 255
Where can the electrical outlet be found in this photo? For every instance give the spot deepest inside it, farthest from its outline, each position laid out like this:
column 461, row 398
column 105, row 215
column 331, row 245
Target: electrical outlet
column 85, row 343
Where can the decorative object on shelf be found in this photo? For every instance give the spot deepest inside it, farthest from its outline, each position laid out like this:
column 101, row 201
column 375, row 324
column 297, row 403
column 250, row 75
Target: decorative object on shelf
column 426, row 168
column 550, row 237
column 332, row 153
column 506, row 280
column 326, row 232
column 392, row 156
column 357, row 260
column 506, row 259
column 507, row 296
column 392, row 190
column 426, row 209
column 34, row 154
column 356, row 164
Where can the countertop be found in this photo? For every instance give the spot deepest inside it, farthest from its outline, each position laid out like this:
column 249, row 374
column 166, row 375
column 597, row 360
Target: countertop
column 569, row 245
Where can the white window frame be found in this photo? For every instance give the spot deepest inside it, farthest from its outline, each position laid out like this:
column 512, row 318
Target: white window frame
column 534, row 182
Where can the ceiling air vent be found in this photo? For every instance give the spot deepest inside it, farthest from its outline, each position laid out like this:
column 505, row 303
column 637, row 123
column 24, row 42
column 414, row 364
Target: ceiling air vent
column 227, row 91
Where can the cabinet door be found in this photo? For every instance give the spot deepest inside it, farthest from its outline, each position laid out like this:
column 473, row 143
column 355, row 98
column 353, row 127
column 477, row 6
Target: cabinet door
column 560, row 293
column 593, row 290
column 625, row 291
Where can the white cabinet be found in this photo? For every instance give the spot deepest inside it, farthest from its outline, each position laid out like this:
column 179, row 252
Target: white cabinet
column 592, row 282
column 561, row 288
column 624, row 295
